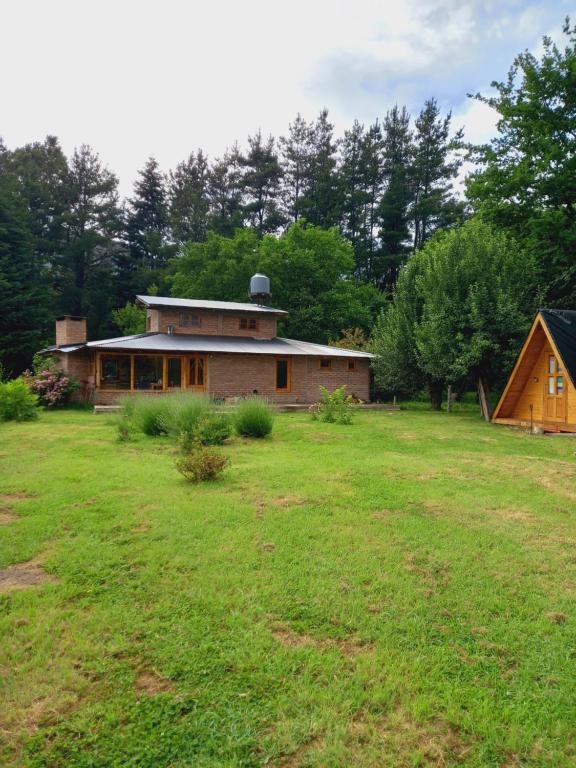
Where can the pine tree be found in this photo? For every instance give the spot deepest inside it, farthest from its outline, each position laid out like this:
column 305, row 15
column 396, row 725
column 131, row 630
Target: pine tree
column 261, row 185
column 24, row 297
column 295, row 153
column 189, row 202
column 225, row 194
column 393, row 210
column 148, row 219
column 372, row 179
column 322, row 203
column 434, row 168
column 353, row 192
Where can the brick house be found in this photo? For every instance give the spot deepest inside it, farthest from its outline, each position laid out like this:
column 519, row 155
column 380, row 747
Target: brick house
column 225, row 349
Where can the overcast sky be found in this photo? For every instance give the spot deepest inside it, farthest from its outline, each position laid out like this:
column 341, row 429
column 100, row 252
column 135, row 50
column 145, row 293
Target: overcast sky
column 134, row 78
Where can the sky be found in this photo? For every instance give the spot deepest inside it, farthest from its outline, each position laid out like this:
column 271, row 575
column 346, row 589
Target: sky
column 135, row 78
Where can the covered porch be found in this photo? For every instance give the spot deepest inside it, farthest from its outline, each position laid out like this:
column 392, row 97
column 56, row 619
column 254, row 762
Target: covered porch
column 119, row 372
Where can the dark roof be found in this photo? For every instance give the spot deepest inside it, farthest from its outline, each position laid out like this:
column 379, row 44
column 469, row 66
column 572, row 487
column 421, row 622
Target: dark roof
column 561, row 323
column 229, row 306
column 187, row 342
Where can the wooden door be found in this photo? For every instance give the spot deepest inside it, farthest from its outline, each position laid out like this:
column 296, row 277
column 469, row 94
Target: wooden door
column 555, row 391
column 197, row 373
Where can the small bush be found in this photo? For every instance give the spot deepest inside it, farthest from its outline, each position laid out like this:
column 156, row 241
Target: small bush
column 151, row 415
column 253, row 417
column 213, row 428
column 184, row 412
column 334, row 407
column 202, row 464
column 17, row 401
column 125, row 427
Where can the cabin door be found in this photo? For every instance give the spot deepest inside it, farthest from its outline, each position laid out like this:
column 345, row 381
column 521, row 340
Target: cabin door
column 555, row 391
column 197, row 373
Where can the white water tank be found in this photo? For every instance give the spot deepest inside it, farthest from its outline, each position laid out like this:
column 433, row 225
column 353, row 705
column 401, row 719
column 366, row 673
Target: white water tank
column 259, row 288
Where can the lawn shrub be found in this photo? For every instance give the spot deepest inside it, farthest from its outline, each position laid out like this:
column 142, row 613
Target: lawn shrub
column 334, row 407
column 213, row 428
column 254, row 417
column 203, row 463
column 125, row 428
column 17, row 401
column 146, row 414
column 184, row 412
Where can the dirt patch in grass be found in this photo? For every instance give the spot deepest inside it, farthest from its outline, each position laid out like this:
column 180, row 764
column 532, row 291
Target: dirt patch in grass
column 142, row 527
column 514, row 514
column 151, row 684
column 23, row 575
column 296, row 758
column 7, row 517
column 6, row 498
column 349, row 646
column 433, row 573
column 290, row 500
column 87, row 503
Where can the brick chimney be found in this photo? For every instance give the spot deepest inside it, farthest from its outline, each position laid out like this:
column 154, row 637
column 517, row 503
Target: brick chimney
column 70, row 330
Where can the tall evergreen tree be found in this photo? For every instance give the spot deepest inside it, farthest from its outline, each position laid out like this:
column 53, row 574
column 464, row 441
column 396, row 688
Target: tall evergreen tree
column 433, row 169
column 24, row 297
column 354, row 192
column 261, row 185
column 188, row 198
column 295, row 157
column 148, row 220
column 393, row 210
column 322, row 203
column 225, row 194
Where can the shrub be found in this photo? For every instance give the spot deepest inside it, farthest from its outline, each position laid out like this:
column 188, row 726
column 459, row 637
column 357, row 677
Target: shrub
column 125, row 427
column 202, row 464
column 334, row 407
column 17, row 401
column 253, row 417
column 52, row 386
column 213, row 428
column 184, row 412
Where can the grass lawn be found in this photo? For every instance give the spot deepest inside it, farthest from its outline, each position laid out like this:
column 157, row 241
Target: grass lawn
column 398, row 592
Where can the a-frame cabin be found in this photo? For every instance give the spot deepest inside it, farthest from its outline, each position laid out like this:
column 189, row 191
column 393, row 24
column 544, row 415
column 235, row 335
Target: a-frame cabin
column 542, row 387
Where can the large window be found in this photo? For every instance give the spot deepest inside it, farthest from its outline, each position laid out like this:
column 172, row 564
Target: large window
column 174, row 372
column 147, row 372
column 196, row 372
column 283, row 374
column 190, row 320
column 115, row 372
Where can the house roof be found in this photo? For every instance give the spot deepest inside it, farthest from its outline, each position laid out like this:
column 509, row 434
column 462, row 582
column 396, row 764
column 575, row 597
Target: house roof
column 186, row 343
column 229, row 306
column 561, row 324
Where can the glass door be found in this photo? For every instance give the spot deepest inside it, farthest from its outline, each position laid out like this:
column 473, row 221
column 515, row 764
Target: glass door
column 174, row 373
column 555, row 393
column 197, row 373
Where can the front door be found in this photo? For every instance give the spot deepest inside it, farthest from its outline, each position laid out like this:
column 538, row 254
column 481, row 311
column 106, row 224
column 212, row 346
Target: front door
column 555, row 391
column 197, row 373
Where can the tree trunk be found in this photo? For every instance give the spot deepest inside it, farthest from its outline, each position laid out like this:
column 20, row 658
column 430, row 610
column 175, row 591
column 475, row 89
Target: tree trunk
column 485, row 407
column 435, row 392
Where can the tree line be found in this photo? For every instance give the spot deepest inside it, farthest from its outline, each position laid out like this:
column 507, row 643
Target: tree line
column 85, row 251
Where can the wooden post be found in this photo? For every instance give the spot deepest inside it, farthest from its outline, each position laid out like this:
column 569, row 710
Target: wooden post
column 131, row 373
column 449, row 401
column 483, row 397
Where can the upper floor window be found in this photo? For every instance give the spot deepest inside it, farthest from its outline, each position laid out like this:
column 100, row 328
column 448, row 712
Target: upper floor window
column 325, row 363
column 190, row 320
column 248, row 323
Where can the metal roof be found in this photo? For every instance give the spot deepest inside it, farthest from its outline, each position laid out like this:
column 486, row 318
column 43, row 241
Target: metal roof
column 230, row 306
column 184, row 343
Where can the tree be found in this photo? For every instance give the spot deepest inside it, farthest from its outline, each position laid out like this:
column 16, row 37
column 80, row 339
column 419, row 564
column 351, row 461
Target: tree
column 130, row 319
column 261, row 185
column 188, row 199
column 148, row 220
column 322, row 201
column 433, row 170
column 225, row 194
column 526, row 182
column 395, row 202
column 24, row 297
column 295, row 153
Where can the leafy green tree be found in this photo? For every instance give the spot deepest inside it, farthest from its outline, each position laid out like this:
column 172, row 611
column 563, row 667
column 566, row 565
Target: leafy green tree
column 435, row 165
column 526, row 180
column 261, row 185
column 130, row 319
column 188, row 199
column 24, row 298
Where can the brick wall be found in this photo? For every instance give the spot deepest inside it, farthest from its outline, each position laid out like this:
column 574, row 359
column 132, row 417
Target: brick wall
column 79, row 365
column 233, row 375
column 70, row 330
column 212, row 323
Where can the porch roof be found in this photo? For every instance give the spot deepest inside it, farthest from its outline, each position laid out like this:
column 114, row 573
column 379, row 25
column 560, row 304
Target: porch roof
column 180, row 343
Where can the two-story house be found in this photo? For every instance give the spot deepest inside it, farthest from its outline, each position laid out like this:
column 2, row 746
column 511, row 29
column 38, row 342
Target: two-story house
column 225, row 349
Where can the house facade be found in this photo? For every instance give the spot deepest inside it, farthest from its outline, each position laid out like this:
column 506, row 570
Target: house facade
column 223, row 349
column 541, row 391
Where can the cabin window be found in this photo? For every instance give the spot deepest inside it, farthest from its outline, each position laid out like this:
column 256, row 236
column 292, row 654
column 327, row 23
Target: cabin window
column 174, row 372
column 550, row 385
column 196, row 372
column 325, row 363
column 559, row 385
column 115, row 372
column 283, row 372
column 147, row 372
column 190, row 320
column 351, row 365
column 248, row 323
column 551, row 364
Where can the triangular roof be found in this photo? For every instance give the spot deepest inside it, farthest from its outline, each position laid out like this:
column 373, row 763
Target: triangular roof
column 558, row 327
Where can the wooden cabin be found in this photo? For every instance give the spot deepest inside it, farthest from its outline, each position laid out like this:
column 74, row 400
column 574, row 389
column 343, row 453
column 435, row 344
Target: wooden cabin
column 541, row 390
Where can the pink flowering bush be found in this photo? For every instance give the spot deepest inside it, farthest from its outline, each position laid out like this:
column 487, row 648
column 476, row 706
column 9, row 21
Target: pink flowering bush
column 52, row 386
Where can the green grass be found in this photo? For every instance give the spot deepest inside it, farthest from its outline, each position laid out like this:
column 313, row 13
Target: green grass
column 397, row 592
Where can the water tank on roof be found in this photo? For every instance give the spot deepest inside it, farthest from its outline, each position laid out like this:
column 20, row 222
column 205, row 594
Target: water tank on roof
column 259, row 288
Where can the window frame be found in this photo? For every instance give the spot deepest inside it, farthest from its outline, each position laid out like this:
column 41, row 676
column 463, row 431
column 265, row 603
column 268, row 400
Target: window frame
column 250, row 324
column 189, row 319
column 325, row 360
column 288, row 388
